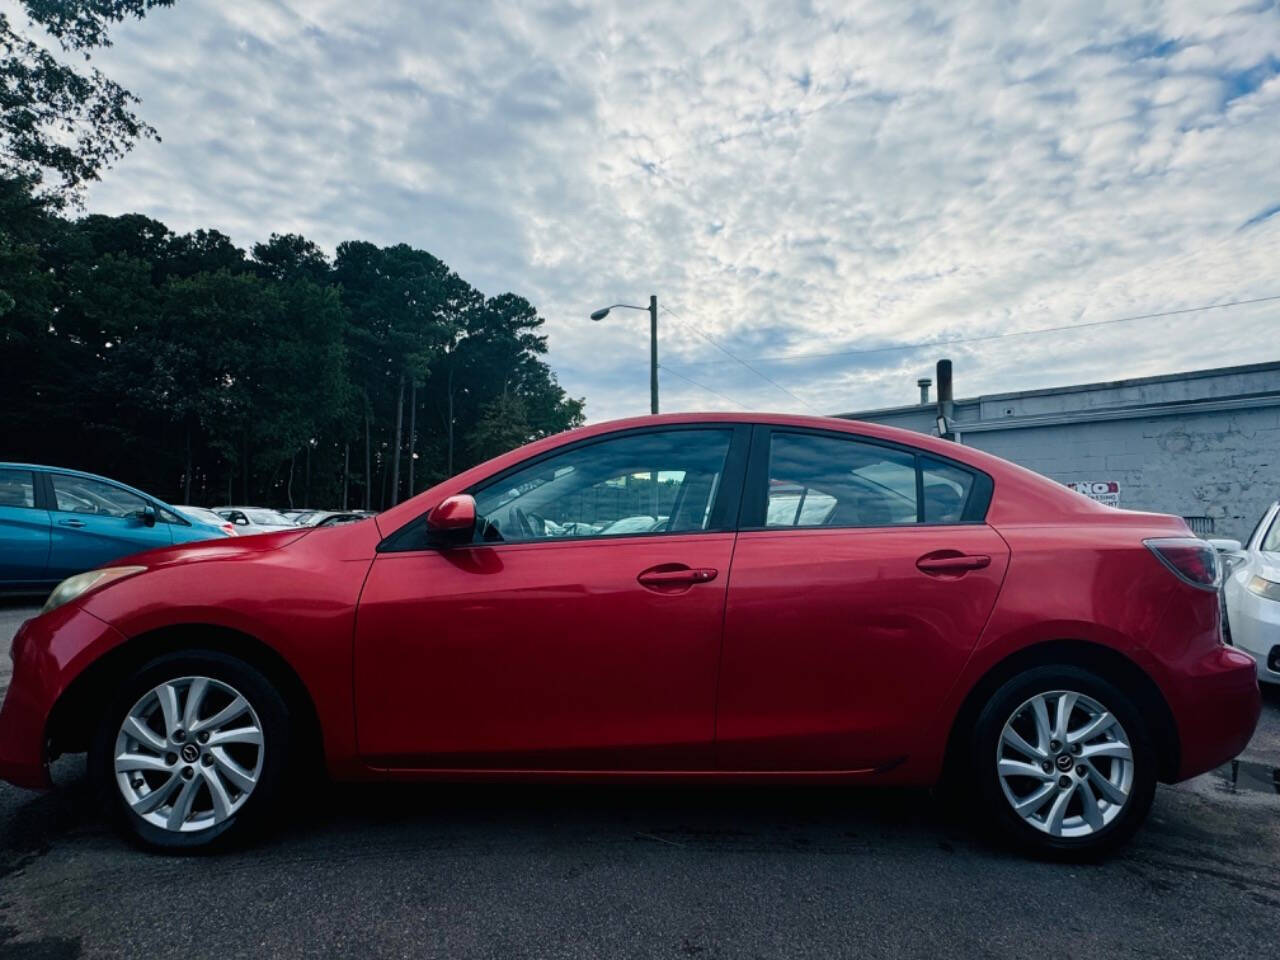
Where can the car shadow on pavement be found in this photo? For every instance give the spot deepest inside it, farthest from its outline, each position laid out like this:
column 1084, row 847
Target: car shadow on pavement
column 359, row 819
column 469, row 817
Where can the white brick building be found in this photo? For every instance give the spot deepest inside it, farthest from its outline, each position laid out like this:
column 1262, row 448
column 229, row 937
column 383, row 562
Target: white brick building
column 1203, row 445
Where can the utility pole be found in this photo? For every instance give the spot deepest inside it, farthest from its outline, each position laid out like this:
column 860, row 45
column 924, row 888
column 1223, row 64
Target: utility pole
column 653, row 354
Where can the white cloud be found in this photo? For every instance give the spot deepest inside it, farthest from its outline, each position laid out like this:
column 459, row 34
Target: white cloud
column 790, row 177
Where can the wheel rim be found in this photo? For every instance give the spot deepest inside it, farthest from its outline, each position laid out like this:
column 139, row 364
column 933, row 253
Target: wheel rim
column 189, row 754
column 1065, row 764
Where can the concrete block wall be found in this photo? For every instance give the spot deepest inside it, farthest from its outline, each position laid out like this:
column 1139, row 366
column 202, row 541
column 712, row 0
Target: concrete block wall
column 1222, row 465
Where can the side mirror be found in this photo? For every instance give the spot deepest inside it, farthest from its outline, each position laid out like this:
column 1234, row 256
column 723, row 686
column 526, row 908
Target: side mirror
column 453, row 519
column 147, row 516
column 1226, row 546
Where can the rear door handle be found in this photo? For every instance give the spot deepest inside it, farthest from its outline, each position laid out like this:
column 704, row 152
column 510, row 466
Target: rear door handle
column 668, row 576
column 953, row 563
column 71, row 523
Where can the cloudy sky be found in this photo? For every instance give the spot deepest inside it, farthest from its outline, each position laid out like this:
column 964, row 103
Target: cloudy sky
column 793, row 180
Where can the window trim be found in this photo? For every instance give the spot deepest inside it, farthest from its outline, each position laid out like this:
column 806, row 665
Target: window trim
column 753, row 513
column 724, row 506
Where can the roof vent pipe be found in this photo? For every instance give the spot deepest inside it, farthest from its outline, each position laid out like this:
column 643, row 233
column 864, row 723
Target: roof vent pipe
column 924, row 383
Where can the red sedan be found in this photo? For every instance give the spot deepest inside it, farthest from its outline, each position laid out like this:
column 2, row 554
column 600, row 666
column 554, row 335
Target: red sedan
column 702, row 597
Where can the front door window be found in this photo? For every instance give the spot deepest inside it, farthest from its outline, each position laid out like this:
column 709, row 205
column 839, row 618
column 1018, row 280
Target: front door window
column 640, row 483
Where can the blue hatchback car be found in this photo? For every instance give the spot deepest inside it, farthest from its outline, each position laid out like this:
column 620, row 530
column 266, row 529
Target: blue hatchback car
column 55, row 523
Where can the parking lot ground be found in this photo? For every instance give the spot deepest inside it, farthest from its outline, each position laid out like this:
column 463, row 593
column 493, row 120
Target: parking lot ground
column 499, row 871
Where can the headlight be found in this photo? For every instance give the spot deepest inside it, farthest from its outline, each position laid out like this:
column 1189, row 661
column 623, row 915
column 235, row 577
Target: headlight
column 1264, row 588
column 82, row 583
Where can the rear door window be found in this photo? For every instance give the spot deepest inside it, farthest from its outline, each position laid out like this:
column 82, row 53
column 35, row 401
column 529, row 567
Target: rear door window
column 17, row 488
column 821, row 481
column 812, row 479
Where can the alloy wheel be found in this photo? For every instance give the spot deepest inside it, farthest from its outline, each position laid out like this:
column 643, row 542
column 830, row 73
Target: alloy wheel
column 189, row 754
column 1065, row 764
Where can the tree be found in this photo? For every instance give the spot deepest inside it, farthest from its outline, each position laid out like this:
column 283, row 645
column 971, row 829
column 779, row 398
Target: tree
column 179, row 364
column 55, row 119
column 398, row 302
column 291, row 257
column 503, row 426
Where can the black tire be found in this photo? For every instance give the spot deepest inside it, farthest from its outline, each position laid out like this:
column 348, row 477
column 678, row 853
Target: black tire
column 995, row 808
column 272, row 713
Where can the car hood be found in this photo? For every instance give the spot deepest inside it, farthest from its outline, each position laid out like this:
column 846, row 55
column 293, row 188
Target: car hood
column 224, row 548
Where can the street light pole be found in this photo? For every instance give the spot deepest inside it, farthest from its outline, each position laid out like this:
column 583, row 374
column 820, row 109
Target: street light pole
column 653, row 343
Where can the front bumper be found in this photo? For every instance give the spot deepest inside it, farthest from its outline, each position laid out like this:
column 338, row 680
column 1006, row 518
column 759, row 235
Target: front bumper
column 1255, row 630
column 1217, row 705
column 49, row 652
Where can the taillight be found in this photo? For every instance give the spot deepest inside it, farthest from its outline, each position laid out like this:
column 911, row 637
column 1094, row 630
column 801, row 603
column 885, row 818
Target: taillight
column 1191, row 558
column 229, row 529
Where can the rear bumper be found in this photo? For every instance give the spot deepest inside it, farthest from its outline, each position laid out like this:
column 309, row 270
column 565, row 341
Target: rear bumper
column 1217, row 704
column 48, row 653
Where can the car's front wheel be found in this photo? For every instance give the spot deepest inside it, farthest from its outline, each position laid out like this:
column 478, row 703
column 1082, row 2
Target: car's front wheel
column 191, row 750
column 1063, row 763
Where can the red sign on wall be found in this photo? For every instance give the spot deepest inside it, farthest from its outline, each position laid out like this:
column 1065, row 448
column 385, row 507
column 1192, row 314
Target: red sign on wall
column 1104, row 491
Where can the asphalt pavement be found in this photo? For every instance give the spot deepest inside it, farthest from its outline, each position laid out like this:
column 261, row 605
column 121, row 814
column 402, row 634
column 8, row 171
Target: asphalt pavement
column 513, row 872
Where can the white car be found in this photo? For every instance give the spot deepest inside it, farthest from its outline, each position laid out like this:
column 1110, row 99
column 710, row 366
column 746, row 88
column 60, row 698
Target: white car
column 205, row 515
column 255, row 519
column 1252, row 592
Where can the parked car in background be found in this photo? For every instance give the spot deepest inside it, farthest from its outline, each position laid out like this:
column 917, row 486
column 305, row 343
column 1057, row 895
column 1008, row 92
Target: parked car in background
column 330, row 518
column 1251, row 591
column 1051, row 657
column 205, row 515
column 250, row 520
column 295, row 516
column 55, row 523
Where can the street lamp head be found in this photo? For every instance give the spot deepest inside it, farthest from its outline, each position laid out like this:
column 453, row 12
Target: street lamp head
column 600, row 314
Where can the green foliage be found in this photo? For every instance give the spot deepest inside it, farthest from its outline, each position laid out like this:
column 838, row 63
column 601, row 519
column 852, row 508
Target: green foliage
column 57, row 119
column 181, row 365
column 503, row 425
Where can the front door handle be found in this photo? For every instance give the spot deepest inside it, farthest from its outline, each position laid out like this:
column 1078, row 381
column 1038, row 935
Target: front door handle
column 71, row 523
column 669, row 576
column 951, row 562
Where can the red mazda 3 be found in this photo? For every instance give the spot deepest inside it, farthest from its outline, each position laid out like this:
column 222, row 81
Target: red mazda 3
column 705, row 597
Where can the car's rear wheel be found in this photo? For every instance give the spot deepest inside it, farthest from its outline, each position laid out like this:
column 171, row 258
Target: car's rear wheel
column 191, row 751
column 1063, row 763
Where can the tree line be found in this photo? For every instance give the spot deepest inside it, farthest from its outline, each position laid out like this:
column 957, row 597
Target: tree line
column 205, row 373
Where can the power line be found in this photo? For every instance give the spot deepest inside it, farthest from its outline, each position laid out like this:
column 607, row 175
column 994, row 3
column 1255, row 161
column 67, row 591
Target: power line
column 1014, row 333
column 702, row 386
column 734, row 356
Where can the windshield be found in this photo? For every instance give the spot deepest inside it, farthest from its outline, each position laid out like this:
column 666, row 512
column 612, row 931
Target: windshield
column 1271, row 542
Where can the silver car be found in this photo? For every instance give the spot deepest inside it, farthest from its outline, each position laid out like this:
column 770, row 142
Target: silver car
column 249, row 520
